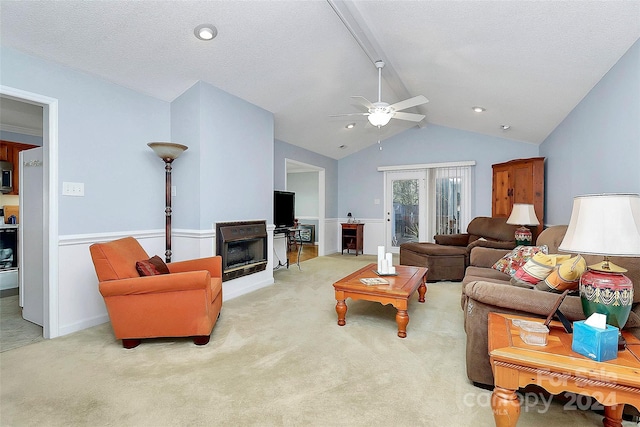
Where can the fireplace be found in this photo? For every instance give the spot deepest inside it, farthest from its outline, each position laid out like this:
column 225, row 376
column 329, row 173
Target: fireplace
column 242, row 246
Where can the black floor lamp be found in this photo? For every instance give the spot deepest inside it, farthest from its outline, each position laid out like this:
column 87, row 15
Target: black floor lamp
column 168, row 152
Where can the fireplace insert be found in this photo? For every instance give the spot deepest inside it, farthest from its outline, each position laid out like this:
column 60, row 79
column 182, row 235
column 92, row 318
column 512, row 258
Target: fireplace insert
column 242, row 246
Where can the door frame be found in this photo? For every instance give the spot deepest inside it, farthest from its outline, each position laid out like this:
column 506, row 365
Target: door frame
column 320, row 234
column 50, row 234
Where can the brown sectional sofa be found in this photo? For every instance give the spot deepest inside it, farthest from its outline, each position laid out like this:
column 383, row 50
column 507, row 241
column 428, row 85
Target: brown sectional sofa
column 487, row 290
column 448, row 257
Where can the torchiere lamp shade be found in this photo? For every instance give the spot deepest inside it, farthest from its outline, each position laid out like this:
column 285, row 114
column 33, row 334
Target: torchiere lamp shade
column 167, row 150
column 608, row 225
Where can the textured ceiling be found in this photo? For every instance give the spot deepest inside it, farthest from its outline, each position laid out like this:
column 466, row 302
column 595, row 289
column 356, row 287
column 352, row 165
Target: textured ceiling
column 527, row 63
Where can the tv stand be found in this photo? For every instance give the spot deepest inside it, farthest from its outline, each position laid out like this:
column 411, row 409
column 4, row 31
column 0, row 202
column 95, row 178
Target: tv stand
column 287, row 233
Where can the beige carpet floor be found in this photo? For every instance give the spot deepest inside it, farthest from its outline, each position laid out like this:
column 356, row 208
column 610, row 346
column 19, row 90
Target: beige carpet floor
column 276, row 358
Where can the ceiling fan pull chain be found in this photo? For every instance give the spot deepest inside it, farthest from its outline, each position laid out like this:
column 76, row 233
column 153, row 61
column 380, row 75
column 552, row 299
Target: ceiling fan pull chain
column 380, row 83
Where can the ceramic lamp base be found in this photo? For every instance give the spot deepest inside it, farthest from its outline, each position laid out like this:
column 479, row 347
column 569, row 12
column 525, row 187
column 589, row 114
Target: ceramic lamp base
column 607, row 293
column 523, row 236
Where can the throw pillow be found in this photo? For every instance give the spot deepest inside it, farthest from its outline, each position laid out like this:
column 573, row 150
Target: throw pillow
column 152, row 267
column 566, row 276
column 511, row 262
column 534, row 270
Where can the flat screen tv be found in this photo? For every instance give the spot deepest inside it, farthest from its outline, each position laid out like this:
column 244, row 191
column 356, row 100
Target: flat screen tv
column 284, row 208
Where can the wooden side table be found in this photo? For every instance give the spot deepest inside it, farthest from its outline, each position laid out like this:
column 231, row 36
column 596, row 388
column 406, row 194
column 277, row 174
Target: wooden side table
column 352, row 237
column 556, row 368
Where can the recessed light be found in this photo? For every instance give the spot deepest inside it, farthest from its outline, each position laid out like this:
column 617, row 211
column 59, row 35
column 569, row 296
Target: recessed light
column 478, row 109
column 342, row 147
column 350, row 126
column 505, row 127
column 205, row 32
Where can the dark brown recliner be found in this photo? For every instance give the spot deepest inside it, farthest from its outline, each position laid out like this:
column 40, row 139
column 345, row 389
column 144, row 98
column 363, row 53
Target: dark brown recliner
column 448, row 257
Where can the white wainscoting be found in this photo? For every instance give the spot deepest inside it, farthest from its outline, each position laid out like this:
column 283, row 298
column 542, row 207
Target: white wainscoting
column 80, row 304
column 373, row 235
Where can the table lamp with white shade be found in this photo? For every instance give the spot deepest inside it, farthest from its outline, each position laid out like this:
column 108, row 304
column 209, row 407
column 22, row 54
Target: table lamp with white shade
column 607, row 225
column 523, row 214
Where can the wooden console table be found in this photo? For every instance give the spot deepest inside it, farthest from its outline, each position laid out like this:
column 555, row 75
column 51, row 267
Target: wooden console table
column 352, row 237
column 556, row 368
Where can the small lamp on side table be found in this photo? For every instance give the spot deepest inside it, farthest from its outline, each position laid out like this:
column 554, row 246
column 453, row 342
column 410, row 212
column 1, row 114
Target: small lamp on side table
column 523, row 215
column 608, row 225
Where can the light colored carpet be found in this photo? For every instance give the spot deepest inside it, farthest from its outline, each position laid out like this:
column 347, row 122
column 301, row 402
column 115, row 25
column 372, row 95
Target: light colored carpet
column 276, row 358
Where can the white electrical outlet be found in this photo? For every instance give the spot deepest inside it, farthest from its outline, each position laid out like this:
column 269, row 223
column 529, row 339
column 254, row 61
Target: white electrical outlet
column 173, row 190
column 73, row 189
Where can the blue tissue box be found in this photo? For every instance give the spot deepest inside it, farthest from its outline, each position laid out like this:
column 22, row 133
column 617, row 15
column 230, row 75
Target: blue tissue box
column 596, row 344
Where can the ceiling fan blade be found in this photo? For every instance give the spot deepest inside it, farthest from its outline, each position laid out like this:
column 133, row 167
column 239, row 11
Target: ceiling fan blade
column 408, row 103
column 364, row 101
column 348, row 114
column 408, row 116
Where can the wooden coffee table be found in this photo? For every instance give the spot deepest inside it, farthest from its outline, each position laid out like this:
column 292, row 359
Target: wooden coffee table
column 556, row 368
column 396, row 293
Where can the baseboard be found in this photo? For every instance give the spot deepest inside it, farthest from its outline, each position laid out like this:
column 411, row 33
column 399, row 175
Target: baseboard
column 243, row 289
column 87, row 323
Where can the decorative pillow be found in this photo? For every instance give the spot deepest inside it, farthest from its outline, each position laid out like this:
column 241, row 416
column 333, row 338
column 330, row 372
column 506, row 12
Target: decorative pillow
column 566, row 276
column 152, row 267
column 511, row 262
column 537, row 268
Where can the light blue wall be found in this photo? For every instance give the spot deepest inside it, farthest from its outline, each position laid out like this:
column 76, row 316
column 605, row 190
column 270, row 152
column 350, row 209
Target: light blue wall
column 285, row 151
column 305, row 185
column 360, row 182
column 19, row 137
column 228, row 167
column 596, row 149
column 102, row 136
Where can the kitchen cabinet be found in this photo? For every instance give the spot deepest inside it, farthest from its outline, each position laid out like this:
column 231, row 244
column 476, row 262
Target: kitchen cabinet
column 9, row 152
column 519, row 181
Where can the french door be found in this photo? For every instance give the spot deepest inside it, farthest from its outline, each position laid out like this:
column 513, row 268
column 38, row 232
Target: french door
column 405, row 208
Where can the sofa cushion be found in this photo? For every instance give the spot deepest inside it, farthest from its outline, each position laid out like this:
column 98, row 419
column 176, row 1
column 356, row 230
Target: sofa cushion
column 433, row 249
column 535, row 269
column 511, row 262
column 566, row 276
column 152, row 266
column 492, row 229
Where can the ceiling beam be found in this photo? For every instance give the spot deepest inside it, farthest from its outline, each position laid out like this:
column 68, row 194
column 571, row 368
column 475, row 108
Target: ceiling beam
column 353, row 22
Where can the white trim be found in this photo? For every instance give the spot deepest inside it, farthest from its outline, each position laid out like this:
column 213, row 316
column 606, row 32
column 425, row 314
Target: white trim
column 81, row 239
column 50, row 146
column 426, row 166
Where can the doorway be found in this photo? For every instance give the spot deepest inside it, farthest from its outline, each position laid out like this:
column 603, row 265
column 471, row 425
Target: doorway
column 315, row 196
column 50, row 203
column 405, row 208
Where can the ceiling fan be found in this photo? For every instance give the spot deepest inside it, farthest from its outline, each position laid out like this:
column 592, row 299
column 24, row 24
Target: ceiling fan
column 380, row 113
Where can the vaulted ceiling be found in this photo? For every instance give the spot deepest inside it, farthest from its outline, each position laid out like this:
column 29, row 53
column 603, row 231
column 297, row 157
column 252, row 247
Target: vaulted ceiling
column 528, row 63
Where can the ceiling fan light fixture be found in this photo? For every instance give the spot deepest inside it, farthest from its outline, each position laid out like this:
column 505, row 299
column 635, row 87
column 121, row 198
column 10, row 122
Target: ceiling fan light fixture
column 205, row 32
column 379, row 118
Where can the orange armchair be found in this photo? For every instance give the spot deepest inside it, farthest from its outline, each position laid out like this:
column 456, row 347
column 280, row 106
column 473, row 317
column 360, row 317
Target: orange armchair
column 184, row 303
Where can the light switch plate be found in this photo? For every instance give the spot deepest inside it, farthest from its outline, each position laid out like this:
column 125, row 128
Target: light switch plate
column 73, row 189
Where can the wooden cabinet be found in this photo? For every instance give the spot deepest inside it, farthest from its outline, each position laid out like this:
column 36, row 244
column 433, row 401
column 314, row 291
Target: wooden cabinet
column 9, row 152
column 352, row 237
column 519, row 181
